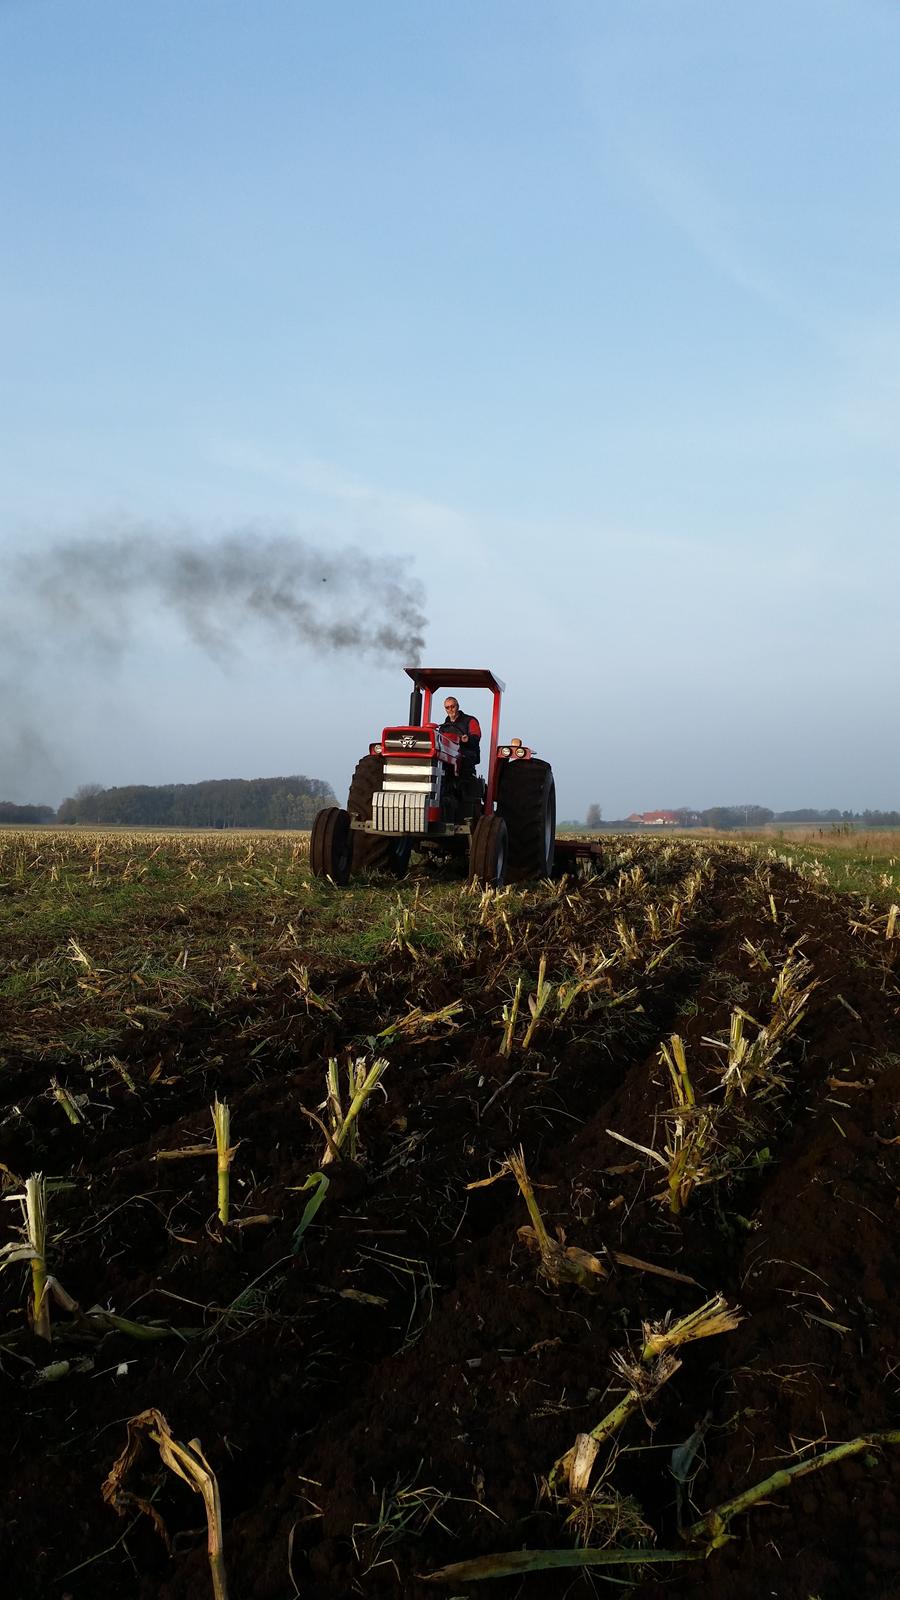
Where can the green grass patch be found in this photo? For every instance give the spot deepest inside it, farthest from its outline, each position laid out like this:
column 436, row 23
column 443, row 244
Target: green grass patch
column 853, row 863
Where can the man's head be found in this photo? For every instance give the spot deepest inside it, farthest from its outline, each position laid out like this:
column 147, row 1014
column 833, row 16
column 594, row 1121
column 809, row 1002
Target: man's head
column 451, row 707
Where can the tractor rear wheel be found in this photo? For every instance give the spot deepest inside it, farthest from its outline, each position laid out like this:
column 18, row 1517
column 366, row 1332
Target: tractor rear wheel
column 330, row 845
column 374, row 851
column 488, row 851
column 526, row 799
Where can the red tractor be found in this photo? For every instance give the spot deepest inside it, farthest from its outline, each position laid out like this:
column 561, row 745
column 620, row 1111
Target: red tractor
column 415, row 788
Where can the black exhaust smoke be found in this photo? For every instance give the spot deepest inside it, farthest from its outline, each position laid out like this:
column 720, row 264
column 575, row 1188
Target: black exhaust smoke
column 343, row 600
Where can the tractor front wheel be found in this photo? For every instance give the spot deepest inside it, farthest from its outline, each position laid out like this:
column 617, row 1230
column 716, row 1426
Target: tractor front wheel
column 331, row 845
column 488, row 851
column 526, row 798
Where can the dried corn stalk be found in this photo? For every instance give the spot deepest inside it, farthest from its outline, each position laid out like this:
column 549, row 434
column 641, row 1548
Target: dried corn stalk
column 188, row 1463
column 559, row 1263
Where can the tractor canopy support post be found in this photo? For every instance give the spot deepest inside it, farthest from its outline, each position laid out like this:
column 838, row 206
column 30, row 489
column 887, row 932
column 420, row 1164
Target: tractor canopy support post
column 492, row 756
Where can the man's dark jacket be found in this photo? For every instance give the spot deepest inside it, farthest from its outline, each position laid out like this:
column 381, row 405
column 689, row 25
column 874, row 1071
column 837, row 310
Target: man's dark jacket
column 470, row 754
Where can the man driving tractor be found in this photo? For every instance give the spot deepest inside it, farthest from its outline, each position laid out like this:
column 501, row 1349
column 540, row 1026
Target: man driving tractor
column 469, row 730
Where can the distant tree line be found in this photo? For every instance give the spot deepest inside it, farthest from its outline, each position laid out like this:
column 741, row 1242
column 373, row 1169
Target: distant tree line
column 293, row 802
column 27, row 814
column 873, row 819
column 757, row 816
column 736, row 816
column 725, row 817
column 219, row 803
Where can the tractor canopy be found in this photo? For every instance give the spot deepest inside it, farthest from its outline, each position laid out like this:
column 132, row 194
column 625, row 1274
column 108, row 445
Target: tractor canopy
column 455, row 678
column 431, row 679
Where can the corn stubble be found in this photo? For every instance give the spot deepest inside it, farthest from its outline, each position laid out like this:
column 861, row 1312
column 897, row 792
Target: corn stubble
column 223, row 1150
column 752, row 1065
column 188, row 1463
column 559, row 1263
column 689, row 1145
column 644, row 1375
column 362, row 1079
column 33, row 1248
column 749, row 1065
column 604, row 1521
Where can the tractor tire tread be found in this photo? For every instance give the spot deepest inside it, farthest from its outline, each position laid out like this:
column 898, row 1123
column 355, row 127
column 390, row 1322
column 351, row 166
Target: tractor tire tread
column 330, row 853
column 488, row 852
column 526, row 794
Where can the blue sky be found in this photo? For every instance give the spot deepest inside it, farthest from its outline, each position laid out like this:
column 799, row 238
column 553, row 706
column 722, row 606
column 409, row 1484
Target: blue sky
column 588, row 312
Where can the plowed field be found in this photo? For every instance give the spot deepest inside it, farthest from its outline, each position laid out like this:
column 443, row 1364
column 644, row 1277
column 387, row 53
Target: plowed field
column 385, row 1393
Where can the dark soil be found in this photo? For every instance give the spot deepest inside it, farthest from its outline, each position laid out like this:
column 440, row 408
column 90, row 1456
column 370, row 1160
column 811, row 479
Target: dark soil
column 389, row 1398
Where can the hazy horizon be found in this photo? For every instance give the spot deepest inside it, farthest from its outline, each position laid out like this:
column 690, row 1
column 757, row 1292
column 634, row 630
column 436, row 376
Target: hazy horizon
column 666, row 805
